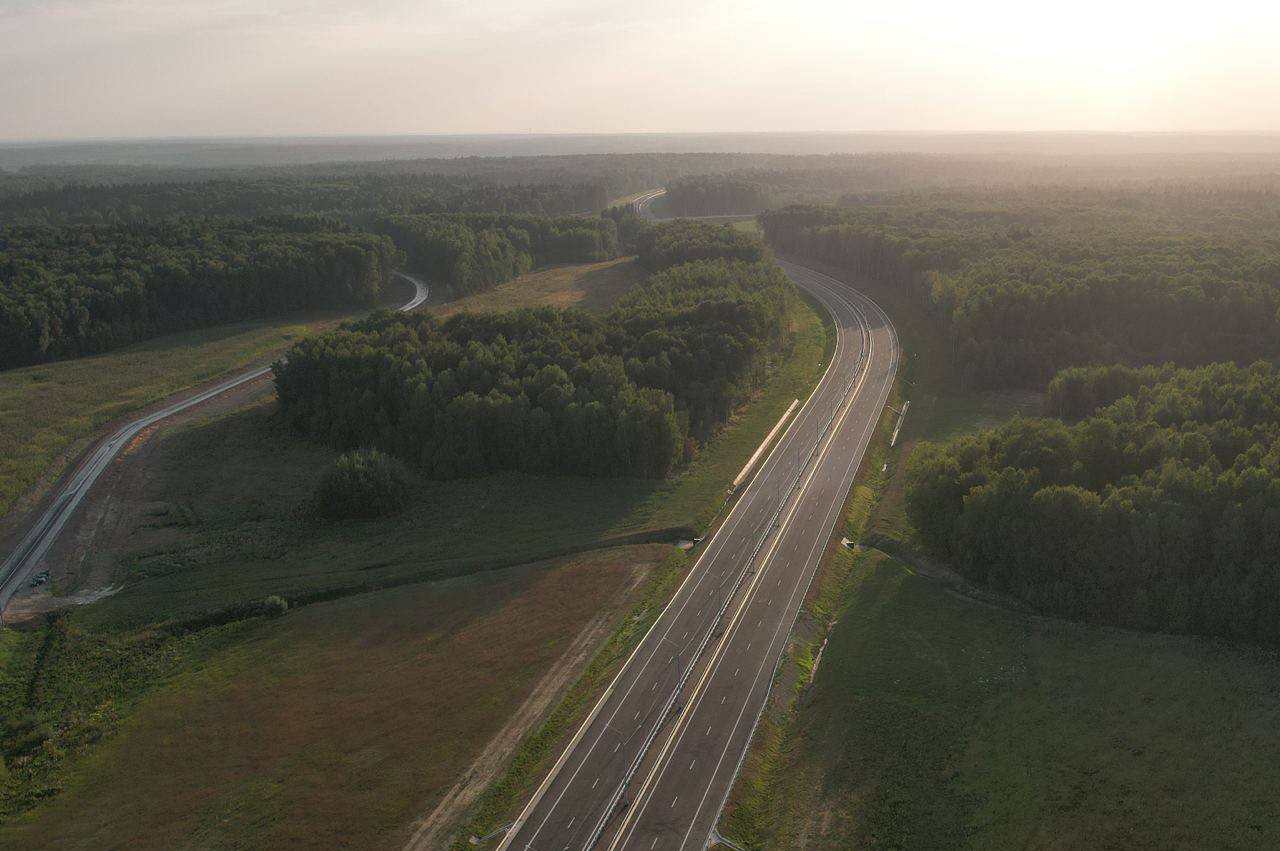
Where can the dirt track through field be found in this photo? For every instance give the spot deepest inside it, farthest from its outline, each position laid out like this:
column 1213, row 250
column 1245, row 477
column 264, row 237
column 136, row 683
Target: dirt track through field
column 434, row 831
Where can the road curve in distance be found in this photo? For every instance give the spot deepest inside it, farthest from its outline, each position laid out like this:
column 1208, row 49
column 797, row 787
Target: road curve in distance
column 22, row 561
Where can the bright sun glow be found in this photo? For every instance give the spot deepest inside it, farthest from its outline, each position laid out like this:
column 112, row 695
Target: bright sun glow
column 285, row 66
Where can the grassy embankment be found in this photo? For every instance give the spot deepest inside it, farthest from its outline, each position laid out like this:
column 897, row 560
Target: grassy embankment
column 292, row 737
column 935, row 720
column 46, row 410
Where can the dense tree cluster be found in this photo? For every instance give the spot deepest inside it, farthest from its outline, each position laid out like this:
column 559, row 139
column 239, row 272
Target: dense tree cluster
column 361, row 484
column 79, row 289
column 708, row 195
column 545, row 390
column 1080, row 390
column 1159, row 511
column 661, row 246
column 475, row 251
column 628, row 222
column 1028, row 282
column 352, row 197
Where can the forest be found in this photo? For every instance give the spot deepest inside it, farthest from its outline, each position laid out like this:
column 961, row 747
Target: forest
column 1158, row 510
column 1028, row 281
column 546, row 390
column 706, row 195
column 669, row 244
column 79, row 289
column 475, row 251
column 351, row 197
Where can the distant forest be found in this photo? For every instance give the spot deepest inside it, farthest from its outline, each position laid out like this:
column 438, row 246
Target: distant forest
column 1159, row 510
column 548, row 391
column 354, row 198
column 1026, row 282
column 683, row 241
column 705, row 195
column 76, row 290
column 470, row 252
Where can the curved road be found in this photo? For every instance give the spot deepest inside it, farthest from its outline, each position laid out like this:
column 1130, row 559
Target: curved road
column 653, row 763
column 20, row 563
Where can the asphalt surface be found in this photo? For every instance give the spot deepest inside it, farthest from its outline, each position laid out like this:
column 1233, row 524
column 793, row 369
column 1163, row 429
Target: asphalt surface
column 20, row 564
column 653, row 763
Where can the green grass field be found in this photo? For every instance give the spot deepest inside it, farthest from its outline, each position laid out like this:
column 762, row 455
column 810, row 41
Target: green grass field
column 334, row 726
column 939, row 722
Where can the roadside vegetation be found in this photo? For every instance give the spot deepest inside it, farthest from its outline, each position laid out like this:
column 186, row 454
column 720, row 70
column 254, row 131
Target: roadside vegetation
column 222, row 543
column 919, row 709
column 46, row 409
column 937, row 721
column 1156, row 511
column 1025, row 282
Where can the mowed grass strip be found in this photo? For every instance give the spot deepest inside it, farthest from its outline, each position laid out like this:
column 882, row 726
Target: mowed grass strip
column 939, row 722
column 338, row 724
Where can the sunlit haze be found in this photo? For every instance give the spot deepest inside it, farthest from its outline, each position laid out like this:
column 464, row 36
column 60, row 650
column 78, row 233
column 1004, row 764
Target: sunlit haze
column 114, row 68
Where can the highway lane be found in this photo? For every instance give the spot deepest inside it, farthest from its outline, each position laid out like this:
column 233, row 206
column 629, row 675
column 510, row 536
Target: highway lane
column 31, row 550
column 732, row 614
column 680, row 800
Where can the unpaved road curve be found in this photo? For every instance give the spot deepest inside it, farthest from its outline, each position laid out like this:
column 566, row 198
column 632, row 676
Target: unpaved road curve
column 22, row 561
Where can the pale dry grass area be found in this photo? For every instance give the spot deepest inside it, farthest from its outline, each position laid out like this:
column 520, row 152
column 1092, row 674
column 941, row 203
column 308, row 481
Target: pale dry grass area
column 588, row 286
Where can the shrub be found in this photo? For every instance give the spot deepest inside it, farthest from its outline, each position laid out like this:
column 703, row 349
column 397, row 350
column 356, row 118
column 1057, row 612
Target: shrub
column 275, row 606
column 362, row 484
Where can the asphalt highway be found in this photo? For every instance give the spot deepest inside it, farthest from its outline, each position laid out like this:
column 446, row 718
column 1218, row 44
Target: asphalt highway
column 651, row 766
column 21, row 563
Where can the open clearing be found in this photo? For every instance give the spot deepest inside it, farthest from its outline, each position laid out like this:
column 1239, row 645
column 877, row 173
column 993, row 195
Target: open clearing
column 590, row 286
column 338, row 724
column 936, row 721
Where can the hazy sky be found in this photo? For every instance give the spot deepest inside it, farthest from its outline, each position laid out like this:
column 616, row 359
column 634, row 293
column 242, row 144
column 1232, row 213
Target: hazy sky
column 111, row 68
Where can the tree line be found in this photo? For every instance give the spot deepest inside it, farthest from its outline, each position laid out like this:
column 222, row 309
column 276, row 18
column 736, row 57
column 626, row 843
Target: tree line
column 667, row 244
column 353, row 197
column 475, row 251
column 547, row 390
column 714, row 195
column 1159, row 510
column 80, row 289
column 1026, row 282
